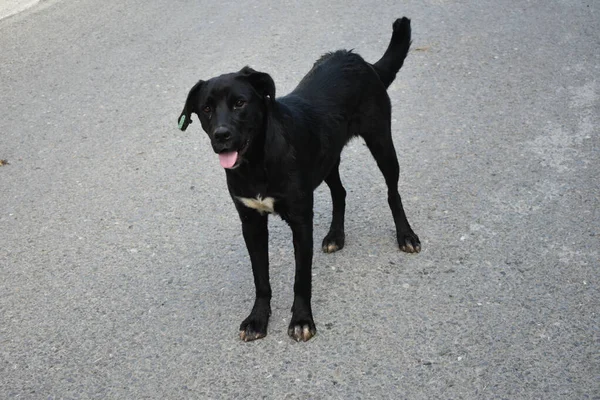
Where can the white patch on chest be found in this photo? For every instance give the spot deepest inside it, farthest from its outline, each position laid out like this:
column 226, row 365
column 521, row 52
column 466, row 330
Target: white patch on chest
column 259, row 204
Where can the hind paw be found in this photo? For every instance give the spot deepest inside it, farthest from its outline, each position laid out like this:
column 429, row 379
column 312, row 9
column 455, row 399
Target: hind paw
column 333, row 242
column 409, row 242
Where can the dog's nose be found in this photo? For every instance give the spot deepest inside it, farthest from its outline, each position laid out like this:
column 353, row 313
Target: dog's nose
column 222, row 134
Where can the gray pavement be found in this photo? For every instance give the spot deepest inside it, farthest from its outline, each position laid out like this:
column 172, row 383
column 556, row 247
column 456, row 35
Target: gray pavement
column 12, row 7
column 123, row 273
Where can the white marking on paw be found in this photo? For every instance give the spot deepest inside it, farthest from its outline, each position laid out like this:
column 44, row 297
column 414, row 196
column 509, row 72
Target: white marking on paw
column 261, row 205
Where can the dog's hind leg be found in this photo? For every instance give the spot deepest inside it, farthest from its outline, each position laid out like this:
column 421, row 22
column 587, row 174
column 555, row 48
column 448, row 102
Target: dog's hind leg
column 381, row 146
column 334, row 240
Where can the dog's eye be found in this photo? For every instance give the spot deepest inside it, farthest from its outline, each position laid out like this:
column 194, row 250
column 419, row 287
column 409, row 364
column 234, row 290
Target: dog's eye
column 240, row 103
column 207, row 109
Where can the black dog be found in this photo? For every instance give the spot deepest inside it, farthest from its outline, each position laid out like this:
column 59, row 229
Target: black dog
column 277, row 151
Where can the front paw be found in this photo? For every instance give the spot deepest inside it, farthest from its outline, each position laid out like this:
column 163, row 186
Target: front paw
column 254, row 327
column 409, row 242
column 302, row 329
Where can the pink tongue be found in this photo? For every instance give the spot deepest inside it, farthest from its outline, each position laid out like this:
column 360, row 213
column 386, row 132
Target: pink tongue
column 228, row 159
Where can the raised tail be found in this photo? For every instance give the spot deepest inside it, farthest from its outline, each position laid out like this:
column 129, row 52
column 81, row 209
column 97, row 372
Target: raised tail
column 394, row 56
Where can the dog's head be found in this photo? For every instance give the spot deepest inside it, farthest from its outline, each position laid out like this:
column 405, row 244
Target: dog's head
column 232, row 110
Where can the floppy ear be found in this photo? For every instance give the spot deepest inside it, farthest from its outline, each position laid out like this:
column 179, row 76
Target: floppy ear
column 262, row 82
column 185, row 118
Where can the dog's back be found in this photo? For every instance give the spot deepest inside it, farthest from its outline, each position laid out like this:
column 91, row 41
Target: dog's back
column 340, row 97
column 338, row 79
column 342, row 73
column 333, row 100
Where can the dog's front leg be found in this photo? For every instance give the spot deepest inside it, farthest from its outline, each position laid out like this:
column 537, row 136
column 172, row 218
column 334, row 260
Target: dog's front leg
column 254, row 228
column 302, row 326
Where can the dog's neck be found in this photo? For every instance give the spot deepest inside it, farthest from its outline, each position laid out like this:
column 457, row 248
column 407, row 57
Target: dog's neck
column 265, row 162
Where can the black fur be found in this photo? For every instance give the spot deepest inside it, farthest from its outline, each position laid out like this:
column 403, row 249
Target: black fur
column 290, row 145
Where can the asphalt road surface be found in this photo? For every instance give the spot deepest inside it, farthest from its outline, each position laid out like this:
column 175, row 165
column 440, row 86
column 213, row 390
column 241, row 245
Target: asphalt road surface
column 123, row 269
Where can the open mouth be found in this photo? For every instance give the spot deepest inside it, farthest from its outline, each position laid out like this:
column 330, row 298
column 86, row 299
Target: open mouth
column 228, row 159
column 232, row 159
